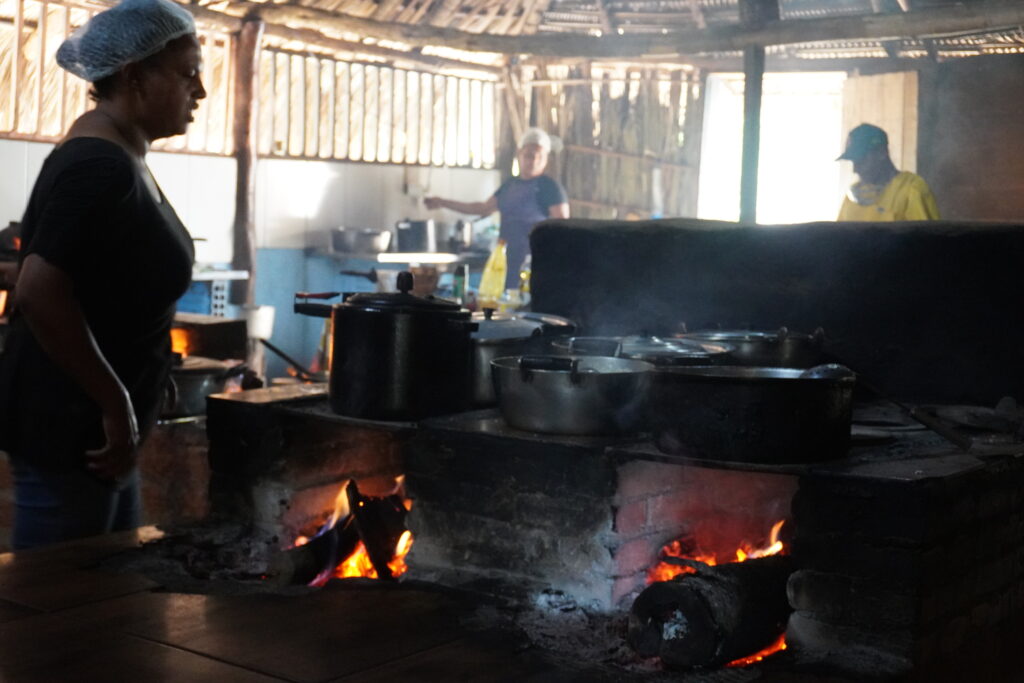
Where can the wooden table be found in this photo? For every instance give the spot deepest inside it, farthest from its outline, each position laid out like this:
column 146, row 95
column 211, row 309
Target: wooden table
column 62, row 618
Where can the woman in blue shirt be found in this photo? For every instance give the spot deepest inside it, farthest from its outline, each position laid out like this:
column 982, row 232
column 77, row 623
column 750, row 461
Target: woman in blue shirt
column 523, row 201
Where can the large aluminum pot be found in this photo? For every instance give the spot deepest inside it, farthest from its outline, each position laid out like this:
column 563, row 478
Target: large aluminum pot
column 780, row 348
column 752, row 414
column 397, row 356
column 656, row 350
column 502, row 334
column 571, row 394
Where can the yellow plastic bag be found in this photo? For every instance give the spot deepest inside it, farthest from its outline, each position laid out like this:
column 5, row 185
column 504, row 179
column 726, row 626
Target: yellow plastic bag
column 492, row 282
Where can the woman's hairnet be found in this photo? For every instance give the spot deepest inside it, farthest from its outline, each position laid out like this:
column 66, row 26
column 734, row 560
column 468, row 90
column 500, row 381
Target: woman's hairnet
column 128, row 32
column 535, row 136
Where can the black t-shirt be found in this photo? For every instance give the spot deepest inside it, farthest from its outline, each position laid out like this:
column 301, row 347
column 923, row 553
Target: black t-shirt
column 129, row 259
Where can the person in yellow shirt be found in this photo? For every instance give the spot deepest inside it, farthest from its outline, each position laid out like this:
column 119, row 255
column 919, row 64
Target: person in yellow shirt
column 882, row 193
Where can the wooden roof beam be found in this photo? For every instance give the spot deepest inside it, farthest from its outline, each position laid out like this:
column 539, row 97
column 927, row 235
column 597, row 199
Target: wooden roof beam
column 312, row 37
column 698, row 14
column 919, row 23
column 606, row 20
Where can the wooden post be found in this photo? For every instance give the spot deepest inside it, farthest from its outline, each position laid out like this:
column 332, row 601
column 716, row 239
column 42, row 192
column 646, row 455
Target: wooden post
column 693, row 133
column 246, row 61
column 753, row 13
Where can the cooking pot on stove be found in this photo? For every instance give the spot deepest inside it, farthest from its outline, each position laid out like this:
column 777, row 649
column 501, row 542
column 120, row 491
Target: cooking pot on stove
column 752, row 414
column 656, row 350
column 572, row 394
column 501, row 334
column 396, row 356
column 781, row 348
column 192, row 379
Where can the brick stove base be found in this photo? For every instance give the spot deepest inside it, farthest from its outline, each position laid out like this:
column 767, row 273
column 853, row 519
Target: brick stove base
column 910, row 555
column 497, row 507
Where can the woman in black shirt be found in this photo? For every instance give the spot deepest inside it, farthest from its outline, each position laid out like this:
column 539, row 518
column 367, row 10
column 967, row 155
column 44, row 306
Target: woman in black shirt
column 104, row 259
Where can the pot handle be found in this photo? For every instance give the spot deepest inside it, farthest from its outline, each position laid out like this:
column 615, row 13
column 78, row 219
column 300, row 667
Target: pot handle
column 464, row 325
column 233, row 371
column 171, row 396
column 596, row 347
column 318, row 295
column 528, row 364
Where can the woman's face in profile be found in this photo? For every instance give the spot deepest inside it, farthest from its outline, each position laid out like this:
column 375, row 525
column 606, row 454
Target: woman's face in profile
column 171, row 86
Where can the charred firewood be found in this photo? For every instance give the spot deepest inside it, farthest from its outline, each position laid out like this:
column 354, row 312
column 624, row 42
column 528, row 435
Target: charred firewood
column 714, row 616
column 304, row 563
column 381, row 523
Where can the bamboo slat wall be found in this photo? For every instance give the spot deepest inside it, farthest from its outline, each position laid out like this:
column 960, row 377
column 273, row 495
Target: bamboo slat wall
column 621, row 131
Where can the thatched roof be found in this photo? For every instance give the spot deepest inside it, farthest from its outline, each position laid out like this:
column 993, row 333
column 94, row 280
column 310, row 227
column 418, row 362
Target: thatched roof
column 805, row 29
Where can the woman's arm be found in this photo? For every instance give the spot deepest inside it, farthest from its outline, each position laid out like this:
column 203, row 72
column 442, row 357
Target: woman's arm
column 45, row 296
column 558, row 210
column 483, row 208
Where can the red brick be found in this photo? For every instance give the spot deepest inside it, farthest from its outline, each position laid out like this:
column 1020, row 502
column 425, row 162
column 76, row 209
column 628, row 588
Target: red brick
column 631, row 518
column 636, row 556
column 641, row 479
column 626, row 588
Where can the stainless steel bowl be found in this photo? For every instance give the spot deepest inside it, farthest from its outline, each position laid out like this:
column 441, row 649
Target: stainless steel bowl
column 580, row 395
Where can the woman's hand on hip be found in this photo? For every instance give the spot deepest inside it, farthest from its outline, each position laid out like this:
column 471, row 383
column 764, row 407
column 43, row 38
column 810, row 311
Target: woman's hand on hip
column 117, row 457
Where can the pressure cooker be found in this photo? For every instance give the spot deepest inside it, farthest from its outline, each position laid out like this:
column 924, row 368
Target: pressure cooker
column 394, row 355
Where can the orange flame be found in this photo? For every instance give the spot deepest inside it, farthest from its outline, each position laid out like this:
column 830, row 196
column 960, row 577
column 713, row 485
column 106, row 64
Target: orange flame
column 664, row 571
column 358, row 564
column 778, row 646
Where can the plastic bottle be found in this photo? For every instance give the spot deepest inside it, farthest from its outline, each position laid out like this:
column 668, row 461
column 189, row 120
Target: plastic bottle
column 492, row 282
column 460, row 281
column 524, row 280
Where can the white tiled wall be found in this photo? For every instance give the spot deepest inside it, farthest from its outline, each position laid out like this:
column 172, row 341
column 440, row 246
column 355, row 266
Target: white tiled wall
column 296, row 201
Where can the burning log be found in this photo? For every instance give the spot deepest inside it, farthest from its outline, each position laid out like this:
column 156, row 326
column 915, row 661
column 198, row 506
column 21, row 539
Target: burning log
column 377, row 522
column 713, row 616
column 304, row 563
column 380, row 522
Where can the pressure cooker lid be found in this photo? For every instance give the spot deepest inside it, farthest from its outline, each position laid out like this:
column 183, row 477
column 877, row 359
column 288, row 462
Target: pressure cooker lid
column 403, row 299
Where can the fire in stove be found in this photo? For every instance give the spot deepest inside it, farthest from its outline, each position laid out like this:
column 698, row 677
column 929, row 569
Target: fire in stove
column 698, row 612
column 670, row 566
column 363, row 536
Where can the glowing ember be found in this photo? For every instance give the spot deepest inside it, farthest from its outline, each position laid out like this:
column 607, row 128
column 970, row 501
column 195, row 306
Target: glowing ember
column 778, row 646
column 664, row 571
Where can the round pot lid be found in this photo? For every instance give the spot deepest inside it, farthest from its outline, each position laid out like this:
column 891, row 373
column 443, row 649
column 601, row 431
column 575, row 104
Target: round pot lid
column 733, row 336
column 498, row 325
column 402, row 300
column 655, row 349
column 198, row 365
column 495, row 325
column 668, row 349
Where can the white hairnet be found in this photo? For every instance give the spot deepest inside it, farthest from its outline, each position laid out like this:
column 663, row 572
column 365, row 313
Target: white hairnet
column 128, row 32
column 535, row 136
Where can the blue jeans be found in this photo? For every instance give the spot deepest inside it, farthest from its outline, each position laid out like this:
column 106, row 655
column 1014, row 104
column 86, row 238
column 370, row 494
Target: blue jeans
column 59, row 504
